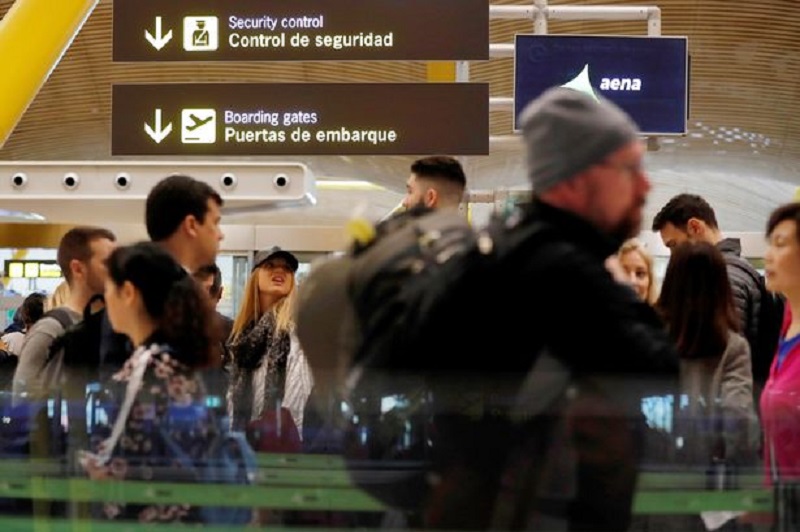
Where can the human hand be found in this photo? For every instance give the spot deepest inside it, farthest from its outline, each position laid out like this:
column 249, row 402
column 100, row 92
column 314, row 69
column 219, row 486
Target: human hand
column 93, row 465
column 614, row 267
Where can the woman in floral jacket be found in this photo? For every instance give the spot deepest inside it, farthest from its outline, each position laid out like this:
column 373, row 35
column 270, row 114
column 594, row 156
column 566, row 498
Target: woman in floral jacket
column 151, row 299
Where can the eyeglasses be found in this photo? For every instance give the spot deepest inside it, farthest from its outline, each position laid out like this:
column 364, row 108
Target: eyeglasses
column 629, row 169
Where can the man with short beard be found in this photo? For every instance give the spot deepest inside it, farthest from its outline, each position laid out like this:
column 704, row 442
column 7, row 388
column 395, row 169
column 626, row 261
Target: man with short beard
column 81, row 256
column 556, row 296
column 436, row 182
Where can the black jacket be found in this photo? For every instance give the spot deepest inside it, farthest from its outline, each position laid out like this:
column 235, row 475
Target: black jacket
column 553, row 292
column 746, row 292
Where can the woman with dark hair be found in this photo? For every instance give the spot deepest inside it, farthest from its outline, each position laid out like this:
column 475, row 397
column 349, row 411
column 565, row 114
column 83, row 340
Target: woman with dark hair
column 170, row 321
column 780, row 401
column 30, row 311
column 715, row 369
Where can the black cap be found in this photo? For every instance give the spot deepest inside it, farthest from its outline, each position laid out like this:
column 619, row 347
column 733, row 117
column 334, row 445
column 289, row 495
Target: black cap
column 266, row 254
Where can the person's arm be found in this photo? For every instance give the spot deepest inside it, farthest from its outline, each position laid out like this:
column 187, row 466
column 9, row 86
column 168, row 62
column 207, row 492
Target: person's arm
column 32, row 358
column 743, row 287
column 597, row 325
column 740, row 424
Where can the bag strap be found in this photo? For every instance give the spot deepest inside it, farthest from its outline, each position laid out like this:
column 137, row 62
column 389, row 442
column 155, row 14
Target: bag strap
column 61, row 315
column 134, row 384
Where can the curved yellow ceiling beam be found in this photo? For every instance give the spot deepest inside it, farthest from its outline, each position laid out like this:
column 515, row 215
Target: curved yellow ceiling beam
column 34, row 34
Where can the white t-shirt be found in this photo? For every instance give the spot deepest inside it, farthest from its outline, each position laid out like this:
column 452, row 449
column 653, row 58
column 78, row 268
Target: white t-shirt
column 13, row 341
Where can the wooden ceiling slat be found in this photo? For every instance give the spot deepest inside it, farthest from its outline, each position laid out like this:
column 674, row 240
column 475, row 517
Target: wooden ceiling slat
column 745, row 73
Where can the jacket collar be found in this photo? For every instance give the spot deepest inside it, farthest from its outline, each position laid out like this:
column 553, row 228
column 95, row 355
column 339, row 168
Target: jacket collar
column 574, row 228
column 730, row 245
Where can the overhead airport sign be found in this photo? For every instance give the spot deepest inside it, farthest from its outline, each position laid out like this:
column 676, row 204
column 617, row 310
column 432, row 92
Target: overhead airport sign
column 300, row 30
column 32, row 269
column 300, row 119
column 647, row 76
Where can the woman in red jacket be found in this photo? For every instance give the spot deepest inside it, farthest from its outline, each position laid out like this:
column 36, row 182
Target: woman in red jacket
column 780, row 400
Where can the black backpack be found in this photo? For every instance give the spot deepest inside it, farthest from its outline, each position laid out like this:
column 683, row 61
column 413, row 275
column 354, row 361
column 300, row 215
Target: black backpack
column 770, row 322
column 377, row 302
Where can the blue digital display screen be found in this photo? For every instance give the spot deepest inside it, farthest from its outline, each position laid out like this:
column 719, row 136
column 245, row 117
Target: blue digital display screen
column 645, row 76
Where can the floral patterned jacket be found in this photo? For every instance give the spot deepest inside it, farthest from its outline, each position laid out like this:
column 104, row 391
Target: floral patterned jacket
column 170, row 404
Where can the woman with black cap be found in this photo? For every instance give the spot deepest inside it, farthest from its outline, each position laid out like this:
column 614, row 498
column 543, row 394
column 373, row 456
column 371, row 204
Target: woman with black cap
column 269, row 373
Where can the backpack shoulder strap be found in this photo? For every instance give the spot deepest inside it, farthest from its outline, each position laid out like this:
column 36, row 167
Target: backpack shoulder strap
column 61, row 315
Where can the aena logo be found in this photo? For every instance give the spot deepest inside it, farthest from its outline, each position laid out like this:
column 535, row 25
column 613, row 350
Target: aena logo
column 620, row 84
column 582, row 83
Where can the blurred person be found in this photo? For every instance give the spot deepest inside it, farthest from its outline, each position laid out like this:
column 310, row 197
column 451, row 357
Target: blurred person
column 59, row 296
column 638, row 265
column 268, row 370
column 780, row 403
column 170, row 321
column 210, row 278
column 31, row 310
column 690, row 217
column 81, row 256
column 435, row 182
column 585, row 163
column 183, row 215
column 697, row 304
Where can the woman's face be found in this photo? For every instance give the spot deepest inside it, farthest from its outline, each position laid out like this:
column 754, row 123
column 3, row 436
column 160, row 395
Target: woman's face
column 275, row 278
column 636, row 268
column 782, row 259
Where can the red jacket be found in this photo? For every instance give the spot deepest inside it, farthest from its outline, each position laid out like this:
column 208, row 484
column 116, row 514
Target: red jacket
column 780, row 408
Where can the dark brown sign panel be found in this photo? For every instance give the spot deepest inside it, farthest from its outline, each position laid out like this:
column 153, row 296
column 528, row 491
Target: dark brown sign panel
column 300, row 119
column 300, row 30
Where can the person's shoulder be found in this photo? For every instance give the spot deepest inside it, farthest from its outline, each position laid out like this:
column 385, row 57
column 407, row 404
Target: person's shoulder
column 737, row 342
column 51, row 325
column 12, row 336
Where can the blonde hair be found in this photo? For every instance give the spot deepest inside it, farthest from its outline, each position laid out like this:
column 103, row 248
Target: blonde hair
column 59, row 297
column 634, row 245
column 250, row 311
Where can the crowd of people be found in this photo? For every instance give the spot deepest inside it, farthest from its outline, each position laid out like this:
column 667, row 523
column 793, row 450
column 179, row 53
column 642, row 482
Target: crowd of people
column 591, row 302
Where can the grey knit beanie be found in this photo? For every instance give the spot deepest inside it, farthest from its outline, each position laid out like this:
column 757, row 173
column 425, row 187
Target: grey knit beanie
column 566, row 131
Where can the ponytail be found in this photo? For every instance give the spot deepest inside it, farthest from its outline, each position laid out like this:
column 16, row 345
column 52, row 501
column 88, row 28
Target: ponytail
column 189, row 324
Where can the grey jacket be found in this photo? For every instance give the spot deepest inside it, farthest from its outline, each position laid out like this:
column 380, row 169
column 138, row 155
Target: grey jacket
column 722, row 388
column 29, row 379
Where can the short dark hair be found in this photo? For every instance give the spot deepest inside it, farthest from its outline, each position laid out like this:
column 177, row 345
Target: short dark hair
column 440, row 168
column 32, row 309
column 172, row 200
column 76, row 244
column 681, row 208
column 183, row 313
column 210, row 270
column 787, row 211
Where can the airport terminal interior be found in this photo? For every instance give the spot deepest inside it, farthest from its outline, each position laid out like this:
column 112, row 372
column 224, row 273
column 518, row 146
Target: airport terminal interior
column 304, row 116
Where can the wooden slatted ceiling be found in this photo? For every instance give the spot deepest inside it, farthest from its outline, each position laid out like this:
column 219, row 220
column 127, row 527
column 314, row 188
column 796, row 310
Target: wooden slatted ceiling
column 745, row 78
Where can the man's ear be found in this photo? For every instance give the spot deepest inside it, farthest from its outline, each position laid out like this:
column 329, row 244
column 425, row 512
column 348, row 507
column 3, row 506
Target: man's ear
column 190, row 224
column 430, row 197
column 695, row 227
column 78, row 269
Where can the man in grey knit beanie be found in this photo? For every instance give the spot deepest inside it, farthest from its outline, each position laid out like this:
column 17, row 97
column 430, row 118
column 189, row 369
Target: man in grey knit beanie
column 567, row 131
column 584, row 155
